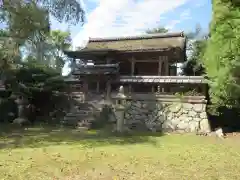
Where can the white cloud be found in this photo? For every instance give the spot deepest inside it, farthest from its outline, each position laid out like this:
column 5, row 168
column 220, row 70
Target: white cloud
column 124, row 17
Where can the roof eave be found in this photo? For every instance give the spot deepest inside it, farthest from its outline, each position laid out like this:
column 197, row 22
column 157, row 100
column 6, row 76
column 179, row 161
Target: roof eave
column 147, row 36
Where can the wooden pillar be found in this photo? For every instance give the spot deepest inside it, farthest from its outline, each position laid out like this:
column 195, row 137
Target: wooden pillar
column 160, row 66
column 132, row 73
column 108, row 85
column 108, row 60
column 166, row 65
column 132, row 66
column 97, row 87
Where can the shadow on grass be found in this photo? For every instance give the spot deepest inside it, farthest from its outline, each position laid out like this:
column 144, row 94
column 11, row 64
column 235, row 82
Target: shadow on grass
column 42, row 136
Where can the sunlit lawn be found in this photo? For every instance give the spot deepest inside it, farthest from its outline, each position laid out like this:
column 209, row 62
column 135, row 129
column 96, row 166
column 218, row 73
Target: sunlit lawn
column 67, row 154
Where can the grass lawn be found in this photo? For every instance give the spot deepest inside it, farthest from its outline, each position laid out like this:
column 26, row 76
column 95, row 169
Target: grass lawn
column 47, row 153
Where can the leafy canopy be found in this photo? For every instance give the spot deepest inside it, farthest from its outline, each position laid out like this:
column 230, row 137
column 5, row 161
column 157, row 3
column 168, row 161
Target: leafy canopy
column 222, row 57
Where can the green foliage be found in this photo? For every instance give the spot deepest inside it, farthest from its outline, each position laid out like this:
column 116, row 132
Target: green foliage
column 28, row 23
column 196, row 46
column 60, row 41
column 193, row 66
column 157, row 30
column 49, row 49
column 222, row 57
column 24, row 20
column 63, row 10
column 8, row 110
column 36, row 77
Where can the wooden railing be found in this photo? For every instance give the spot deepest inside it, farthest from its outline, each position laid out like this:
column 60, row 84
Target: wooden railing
column 162, row 79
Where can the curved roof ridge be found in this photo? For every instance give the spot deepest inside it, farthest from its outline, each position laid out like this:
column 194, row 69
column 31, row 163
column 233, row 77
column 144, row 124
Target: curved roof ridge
column 146, row 36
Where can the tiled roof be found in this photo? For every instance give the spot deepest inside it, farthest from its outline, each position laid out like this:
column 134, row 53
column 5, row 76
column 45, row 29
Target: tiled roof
column 162, row 79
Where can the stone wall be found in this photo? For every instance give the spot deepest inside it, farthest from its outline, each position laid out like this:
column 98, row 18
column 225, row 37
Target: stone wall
column 167, row 115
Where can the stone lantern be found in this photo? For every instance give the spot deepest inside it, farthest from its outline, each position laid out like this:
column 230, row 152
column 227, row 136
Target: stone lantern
column 120, row 109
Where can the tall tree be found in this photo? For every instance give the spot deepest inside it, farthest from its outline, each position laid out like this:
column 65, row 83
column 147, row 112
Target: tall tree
column 222, row 57
column 29, row 20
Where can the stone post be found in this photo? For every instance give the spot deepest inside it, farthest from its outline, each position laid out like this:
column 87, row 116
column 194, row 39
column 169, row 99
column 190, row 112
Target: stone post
column 119, row 109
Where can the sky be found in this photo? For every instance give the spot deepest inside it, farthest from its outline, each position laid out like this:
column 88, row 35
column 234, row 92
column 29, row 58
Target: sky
column 114, row 18
column 111, row 18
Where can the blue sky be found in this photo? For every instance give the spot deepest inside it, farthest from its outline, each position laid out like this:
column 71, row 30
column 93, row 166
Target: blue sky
column 108, row 18
column 111, row 18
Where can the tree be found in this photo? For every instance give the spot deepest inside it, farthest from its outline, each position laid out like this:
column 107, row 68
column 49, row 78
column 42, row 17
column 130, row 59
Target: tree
column 49, row 51
column 193, row 66
column 196, row 46
column 157, row 30
column 222, row 57
column 61, row 41
column 28, row 24
column 29, row 20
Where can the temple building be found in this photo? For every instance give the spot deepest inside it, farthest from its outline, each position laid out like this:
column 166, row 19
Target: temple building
column 140, row 63
column 137, row 77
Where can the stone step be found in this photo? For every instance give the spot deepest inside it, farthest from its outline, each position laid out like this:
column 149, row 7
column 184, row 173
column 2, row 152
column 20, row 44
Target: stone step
column 83, row 113
column 80, row 113
column 84, row 106
column 78, row 118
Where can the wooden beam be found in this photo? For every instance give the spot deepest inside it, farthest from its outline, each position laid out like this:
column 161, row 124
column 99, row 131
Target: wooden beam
column 147, row 60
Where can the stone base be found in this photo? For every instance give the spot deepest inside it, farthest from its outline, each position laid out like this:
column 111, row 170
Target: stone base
column 167, row 117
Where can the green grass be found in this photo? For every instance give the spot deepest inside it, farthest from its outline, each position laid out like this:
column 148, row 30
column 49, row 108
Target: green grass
column 47, row 153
